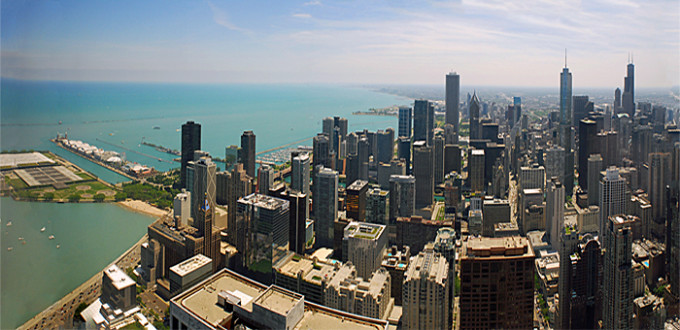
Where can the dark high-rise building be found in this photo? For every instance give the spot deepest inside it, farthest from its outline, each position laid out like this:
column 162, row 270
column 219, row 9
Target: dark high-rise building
column 629, row 91
column 438, row 159
column 617, row 100
column 582, row 106
column 496, row 283
column 297, row 221
column 356, row 200
column 405, row 122
column 582, row 276
column 565, row 98
column 423, row 121
column 587, row 139
column 404, row 152
column 423, row 171
column 475, row 125
column 617, row 281
column 247, row 157
column 325, row 202
column 385, row 141
column 452, row 159
column 191, row 141
column 453, row 102
column 321, row 150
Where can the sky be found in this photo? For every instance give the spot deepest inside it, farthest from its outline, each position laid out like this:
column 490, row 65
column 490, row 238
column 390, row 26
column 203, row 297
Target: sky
column 489, row 43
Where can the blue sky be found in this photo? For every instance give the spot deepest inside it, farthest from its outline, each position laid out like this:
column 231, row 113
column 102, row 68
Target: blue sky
column 497, row 42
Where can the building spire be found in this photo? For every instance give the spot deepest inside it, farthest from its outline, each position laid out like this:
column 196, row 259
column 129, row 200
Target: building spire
column 565, row 57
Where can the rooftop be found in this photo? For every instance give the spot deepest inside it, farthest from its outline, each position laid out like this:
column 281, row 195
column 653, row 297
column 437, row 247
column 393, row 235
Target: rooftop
column 264, row 201
column 497, row 247
column 191, row 264
column 363, row 230
column 357, row 185
column 278, row 300
column 15, row 160
column 118, row 278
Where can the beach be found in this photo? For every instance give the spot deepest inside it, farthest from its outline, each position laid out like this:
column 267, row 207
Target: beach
column 142, row 207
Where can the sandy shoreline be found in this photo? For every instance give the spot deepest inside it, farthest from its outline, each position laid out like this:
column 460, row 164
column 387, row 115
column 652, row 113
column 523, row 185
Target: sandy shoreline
column 142, row 207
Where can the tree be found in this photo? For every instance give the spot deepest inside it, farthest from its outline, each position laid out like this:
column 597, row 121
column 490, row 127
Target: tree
column 48, row 196
column 74, row 198
column 120, row 196
column 99, row 198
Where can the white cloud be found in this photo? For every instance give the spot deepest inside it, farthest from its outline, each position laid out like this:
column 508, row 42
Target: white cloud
column 312, row 3
column 220, row 17
column 302, row 15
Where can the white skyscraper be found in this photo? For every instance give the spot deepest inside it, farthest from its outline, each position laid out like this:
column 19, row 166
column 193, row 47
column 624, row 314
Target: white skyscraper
column 612, row 197
column 426, row 293
column 299, row 180
column 554, row 211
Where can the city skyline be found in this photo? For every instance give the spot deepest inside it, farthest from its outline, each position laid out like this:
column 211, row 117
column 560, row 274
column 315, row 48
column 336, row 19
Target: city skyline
column 492, row 43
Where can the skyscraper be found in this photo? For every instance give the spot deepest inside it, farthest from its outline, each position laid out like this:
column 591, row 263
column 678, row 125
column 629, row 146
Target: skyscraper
column 617, row 282
column 299, row 180
column 594, row 168
column 586, row 142
column 247, row 157
column 612, row 198
column 423, row 121
column 356, row 200
column 438, row 159
column 554, row 211
column 377, row 206
column 402, row 196
column 496, row 283
column 364, row 244
column 629, row 91
column 565, row 98
column 191, row 141
column 476, row 170
column 297, row 220
column 423, row 169
column 581, row 308
column 426, row 296
column 204, row 186
column 325, row 201
column 405, row 121
column 265, row 179
column 452, row 103
column 321, row 150
column 385, row 141
column 404, row 152
column 475, row 125
column 659, row 177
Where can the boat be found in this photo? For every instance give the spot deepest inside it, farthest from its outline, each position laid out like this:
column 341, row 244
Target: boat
column 156, row 127
column 51, row 237
column 21, row 238
column 42, row 229
column 9, row 223
column 10, row 248
column 23, row 242
column 58, row 246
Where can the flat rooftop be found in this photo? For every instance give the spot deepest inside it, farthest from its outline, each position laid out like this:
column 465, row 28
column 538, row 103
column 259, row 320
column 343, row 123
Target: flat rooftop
column 363, row 230
column 118, row 278
column 23, row 159
column 264, row 201
column 191, row 264
column 497, row 247
column 357, row 185
column 47, row 175
column 278, row 301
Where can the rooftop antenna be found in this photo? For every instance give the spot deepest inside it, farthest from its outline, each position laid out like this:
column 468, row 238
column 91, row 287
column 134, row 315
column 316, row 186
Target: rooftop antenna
column 565, row 57
column 631, row 58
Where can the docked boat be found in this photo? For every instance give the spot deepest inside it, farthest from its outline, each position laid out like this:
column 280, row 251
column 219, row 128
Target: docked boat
column 51, row 237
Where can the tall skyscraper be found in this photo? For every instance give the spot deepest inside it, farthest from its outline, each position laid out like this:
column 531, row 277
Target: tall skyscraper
column 385, row 142
column 475, row 125
column 452, row 103
column 426, row 294
column 238, row 185
column 496, row 283
column 402, row 196
column 356, row 200
column 191, row 141
column 581, row 106
column 580, row 281
column 629, row 91
column 438, row 159
column 554, row 163
column 299, row 180
column 476, row 170
column 617, row 100
column 586, row 143
column 405, row 121
column 265, row 179
column 565, row 98
column 612, row 198
column 423, row 170
column 321, row 150
column 594, row 168
column 423, row 121
column 325, row 201
column 659, row 177
column 377, row 206
column 247, row 157
column 404, row 152
column 204, row 186
column 364, row 245
column 297, row 221
column 617, row 282
column 554, row 211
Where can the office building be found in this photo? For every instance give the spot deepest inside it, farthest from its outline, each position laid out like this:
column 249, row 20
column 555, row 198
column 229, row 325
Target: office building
column 416, row 232
column 263, row 222
column 586, row 147
column 404, row 152
column 628, row 100
column 659, row 177
column 368, row 296
column 299, row 179
column 356, row 200
column 580, row 275
column 554, row 163
column 182, row 208
column 452, row 158
column 423, row 169
column 377, row 206
column 452, row 103
column 385, row 171
column 297, row 221
column 247, row 157
column 396, row 262
column 554, row 211
column 476, row 170
column 265, row 179
column 426, row 300
column 364, row 244
column 532, row 177
column 475, row 125
column 231, row 156
column 617, row 283
column 566, row 117
column 494, row 211
column 423, row 121
column 322, row 151
column 594, row 168
column 493, row 272
column 405, row 122
column 438, row 158
column 238, row 184
column 191, row 141
column 204, row 187
column 612, row 196
column 119, row 291
column 325, row 201
column 188, row 273
column 402, row 196
column 385, row 146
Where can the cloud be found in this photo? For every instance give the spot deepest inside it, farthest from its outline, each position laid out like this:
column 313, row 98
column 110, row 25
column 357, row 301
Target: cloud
column 221, row 18
column 302, row 15
column 312, row 3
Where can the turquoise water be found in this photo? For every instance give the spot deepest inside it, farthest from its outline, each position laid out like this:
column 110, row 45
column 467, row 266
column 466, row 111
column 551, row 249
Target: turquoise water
column 35, row 275
column 115, row 115
column 124, row 114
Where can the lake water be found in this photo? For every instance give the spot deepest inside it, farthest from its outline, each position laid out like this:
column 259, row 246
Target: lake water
column 36, row 274
column 119, row 116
